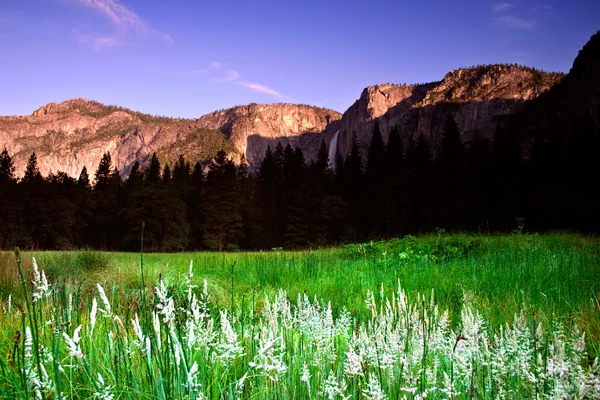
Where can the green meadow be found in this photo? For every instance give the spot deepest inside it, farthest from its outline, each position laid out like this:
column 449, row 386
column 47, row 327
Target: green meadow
column 436, row 316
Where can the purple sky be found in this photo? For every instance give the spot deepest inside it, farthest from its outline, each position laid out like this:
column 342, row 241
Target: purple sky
column 187, row 58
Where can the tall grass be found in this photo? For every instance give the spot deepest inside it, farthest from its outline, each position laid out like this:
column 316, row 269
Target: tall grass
column 63, row 343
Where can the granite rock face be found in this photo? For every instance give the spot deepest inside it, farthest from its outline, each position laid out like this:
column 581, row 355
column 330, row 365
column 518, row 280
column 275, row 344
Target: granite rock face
column 476, row 97
column 70, row 135
column 251, row 128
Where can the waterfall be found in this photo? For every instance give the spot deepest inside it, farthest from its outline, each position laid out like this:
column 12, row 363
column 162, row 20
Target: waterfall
column 333, row 150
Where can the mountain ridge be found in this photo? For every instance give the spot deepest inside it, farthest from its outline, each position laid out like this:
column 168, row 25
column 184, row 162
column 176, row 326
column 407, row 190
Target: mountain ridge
column 74, row 133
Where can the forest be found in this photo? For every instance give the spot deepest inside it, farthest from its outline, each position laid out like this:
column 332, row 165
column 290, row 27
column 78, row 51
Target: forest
column 393, row 189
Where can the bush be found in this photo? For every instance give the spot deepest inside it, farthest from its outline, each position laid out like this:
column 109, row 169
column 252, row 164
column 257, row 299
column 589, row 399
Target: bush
column 75, row 263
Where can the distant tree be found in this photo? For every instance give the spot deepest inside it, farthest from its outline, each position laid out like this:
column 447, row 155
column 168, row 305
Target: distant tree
column 450, row 170
column 268, row 192
column 421, row 203
column 397, row 174
column 107, row 222
column 85, row 210
column 12, row 230
column 223, row 219
column 32, row 172
column 135, row 177
column 507, row 180
column 194, row 197
column 478, row 181
column 84, row 180
column 7, row 168
column 115, row 178
column 198, row 175
column 102, row 176
column 164, row 214
column 152, row 172
column 351, row 184
column 375, row 181
column 321, row 165
column 166, row 175
column 181, row 171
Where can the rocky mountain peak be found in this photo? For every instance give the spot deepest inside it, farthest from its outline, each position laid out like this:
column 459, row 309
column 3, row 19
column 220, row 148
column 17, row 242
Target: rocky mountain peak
column 77, row 104
column 487, row 82
column 476, row 97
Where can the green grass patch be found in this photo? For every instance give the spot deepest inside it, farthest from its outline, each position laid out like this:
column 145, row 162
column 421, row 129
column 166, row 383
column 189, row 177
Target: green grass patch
column 520, row 299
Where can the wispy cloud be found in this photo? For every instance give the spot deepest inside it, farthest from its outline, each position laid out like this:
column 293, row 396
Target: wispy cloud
column 211, row 66
column 510, row 16
column 515, row 22
column 233, row 76
column 501, row 7
column 97, row 42
column 124, row 20
column 257, row 87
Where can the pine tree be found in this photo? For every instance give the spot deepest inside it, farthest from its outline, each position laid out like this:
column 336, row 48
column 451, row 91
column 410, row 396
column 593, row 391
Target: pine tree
column 102, row 176
column 166, row 175
column 136, row 176
column 32, row 172
column 84, row 180
column 11, row 226
column 375, row 181
column 181, row 171
column 223, row 219
column 7, row 168
column 420, row 186
column 376, row 156
column 152, row 172
column 352, row 189
column 396, row 202
column 450, row 170
column 322, row 163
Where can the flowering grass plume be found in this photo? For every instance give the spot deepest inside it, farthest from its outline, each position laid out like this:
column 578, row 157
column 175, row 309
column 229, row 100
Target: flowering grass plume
column 182, row 346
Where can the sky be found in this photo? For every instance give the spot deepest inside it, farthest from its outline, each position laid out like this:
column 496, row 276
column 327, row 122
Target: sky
column 186, row 58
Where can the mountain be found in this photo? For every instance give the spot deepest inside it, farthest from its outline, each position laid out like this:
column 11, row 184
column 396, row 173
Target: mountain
column 70, row 135
column 569, row 107
column 477, row 97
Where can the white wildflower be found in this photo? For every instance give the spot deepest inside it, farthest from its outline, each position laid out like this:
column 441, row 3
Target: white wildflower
column 137, row 329
column 353, row 363
column 28, row 343
column 156, row 326
column 331, row 388
column 373, row 390
column 228, row 348
column 239, row 386
column 41, row 287
column 305, row 376
column 106, row 310
column 104, row 390
column 73, row 343
column 93, row 314
column 269, row 360
column 192, row 381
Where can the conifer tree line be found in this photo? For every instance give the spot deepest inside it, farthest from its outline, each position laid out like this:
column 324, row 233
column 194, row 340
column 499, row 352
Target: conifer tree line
column 399, row 188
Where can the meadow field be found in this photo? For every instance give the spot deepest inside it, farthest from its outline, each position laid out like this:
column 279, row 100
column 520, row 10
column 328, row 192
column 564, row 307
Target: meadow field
column 435, row 316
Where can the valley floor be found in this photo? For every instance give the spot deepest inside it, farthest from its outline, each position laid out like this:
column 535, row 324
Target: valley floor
column 440, row 316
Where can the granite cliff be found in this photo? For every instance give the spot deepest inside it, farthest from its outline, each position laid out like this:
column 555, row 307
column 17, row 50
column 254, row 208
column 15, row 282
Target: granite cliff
column 477, row 98
column 70, row 135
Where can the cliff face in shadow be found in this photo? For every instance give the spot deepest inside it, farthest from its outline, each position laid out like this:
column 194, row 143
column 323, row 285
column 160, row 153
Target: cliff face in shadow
column 476, row 97
column 245, row 126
